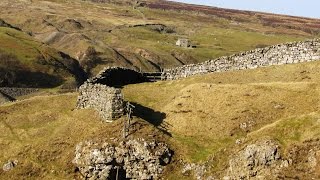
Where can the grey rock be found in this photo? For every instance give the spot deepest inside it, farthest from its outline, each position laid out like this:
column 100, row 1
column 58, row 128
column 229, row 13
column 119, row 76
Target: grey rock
column 139, row 159
column 255, row 159
column 9, row 165
column 107, row 101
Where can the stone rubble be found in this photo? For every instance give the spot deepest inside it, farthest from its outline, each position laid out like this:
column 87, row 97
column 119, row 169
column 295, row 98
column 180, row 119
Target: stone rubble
column 137, row 159
column 198, row 170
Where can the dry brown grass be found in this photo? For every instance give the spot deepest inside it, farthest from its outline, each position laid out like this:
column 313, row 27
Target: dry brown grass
column 42, row 132
column 205, row 112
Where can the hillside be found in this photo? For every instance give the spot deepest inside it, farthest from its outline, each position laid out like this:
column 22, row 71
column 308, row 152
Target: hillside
column 252, row 115
column 278, row 103
column 143, row 35
column 25, row 62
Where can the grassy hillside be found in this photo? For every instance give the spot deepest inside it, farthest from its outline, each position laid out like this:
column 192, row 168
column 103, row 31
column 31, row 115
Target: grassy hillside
column 43, row 138
column 200, row 117
column 207, row 114
column 205, row 119
column 25, row 62
column 143, row 36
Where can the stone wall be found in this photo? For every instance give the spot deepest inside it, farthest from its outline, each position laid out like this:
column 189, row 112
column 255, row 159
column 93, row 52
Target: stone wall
column 289, row 53
column 107, row 101
column 16, row 92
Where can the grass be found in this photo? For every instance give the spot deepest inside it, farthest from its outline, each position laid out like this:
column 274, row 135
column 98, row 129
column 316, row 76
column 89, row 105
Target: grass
column 204, row 112
column 296, row 130
column 214, row 36
column 41, row 133
column 19, row 44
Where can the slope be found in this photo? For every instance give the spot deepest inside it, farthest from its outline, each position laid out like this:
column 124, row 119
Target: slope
column 208, row 114
column 205, row 115
column 25, row 62
column 143, row 35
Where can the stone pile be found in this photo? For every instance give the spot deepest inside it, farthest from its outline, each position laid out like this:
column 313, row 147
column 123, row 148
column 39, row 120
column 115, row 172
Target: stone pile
column 107, row 101
column 256, row 160
column 289, row 53
column 133, row 159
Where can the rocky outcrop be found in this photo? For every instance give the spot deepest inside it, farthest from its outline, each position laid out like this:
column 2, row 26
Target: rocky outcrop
column 261, row 160
column 198, row 170
column 289, row 53
column 107, row 101
column 304, row 161
column 133, row 159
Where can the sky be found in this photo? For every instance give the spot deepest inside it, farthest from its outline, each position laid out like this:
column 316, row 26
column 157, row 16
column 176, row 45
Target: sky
column 305, row 8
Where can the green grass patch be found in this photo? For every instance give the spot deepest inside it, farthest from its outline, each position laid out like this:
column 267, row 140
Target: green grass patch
column 293, row 130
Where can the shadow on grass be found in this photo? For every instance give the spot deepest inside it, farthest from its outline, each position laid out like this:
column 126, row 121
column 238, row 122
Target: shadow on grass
column 153, row 117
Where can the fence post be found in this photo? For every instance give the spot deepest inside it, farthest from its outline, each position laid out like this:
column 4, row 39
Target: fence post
column 127, row 122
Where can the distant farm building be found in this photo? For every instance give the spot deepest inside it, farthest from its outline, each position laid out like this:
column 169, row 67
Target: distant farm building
column 183, row 43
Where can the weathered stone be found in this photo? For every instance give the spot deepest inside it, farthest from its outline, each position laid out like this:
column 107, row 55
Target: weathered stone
column 9, row 165
column 255, row 159
column 107, row 101
column 137, row 159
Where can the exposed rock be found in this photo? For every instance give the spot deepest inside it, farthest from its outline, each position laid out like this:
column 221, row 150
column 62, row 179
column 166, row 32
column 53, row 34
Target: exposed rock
column 260, row 159
column 9, row 165
column 198, row 170
column 304, row 160
column 134, row 159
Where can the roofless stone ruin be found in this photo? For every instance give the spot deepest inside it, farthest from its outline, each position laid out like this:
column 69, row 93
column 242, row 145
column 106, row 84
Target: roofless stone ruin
column 103, row 92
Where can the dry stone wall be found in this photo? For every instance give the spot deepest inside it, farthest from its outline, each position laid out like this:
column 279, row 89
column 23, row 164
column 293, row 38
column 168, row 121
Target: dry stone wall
column 107, row 101
column 289, row 53
column 16, row 92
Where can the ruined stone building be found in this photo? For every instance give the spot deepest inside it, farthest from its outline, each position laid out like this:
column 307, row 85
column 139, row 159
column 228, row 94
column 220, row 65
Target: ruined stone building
column 183, row 43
